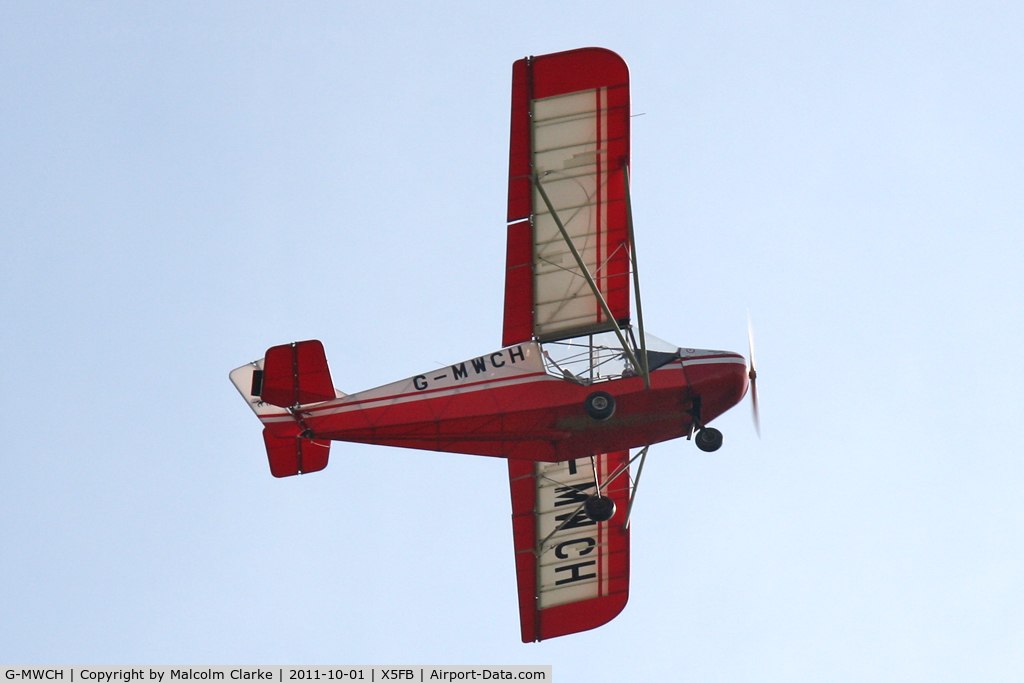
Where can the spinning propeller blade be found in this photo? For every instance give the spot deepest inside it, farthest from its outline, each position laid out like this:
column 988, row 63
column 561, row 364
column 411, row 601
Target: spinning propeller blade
column 752, row 374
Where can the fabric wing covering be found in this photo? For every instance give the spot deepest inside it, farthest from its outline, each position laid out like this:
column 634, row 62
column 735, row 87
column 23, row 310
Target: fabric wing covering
column 573, row 572
column 570, row 131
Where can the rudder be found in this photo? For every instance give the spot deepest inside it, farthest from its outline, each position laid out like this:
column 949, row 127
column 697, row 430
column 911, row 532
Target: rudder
column 296, row 374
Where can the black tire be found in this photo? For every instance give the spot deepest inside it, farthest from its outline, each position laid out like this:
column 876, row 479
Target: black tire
column 599, row 508
column 709, row 439
column 600, row 405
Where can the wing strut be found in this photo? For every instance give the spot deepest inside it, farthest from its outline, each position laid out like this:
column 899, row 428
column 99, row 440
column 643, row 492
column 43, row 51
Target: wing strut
column 636, row 483
column 636, row 288
column 593, row 285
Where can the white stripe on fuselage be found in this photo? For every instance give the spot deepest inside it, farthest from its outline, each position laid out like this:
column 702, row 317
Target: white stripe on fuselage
column 713, row 360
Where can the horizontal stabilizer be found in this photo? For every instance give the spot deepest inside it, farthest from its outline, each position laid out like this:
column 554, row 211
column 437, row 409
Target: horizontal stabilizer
column 291, row 454
column 296, row 374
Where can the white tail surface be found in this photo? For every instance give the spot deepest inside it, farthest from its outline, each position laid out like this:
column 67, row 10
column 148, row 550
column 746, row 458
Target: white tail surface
column 242, row 378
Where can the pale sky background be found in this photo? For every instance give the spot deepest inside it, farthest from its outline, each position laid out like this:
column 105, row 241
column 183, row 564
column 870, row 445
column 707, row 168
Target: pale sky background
column 183, row 185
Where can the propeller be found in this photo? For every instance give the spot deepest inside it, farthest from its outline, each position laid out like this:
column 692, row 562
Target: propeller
column 752, row 374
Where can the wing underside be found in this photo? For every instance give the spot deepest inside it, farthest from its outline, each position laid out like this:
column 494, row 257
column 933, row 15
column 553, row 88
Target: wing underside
column 572, row 572
column 570, row 135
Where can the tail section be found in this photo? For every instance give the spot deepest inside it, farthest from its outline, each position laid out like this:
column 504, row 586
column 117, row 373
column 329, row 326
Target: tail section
column 290, row 376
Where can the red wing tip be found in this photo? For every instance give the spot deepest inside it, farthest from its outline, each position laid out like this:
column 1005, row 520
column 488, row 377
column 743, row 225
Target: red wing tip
column 585, row 617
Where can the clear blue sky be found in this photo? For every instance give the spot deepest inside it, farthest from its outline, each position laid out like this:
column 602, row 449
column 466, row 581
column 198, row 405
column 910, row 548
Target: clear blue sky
column 183, row 185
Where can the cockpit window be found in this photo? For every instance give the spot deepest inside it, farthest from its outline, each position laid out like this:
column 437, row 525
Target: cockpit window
column 600, row 357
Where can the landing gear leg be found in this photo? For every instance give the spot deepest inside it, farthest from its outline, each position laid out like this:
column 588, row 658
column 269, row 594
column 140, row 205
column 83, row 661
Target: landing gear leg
column 598, row 507
column 694, row 412
column 708, row 439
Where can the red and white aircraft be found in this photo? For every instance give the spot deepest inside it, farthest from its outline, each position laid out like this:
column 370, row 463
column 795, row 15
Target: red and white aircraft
column 571, row 390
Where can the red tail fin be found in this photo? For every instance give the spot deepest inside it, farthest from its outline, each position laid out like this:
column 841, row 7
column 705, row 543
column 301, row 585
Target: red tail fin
column 296, row 374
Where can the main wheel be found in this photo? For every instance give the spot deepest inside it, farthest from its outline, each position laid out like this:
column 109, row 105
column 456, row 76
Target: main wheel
column 599, row 508
column 600, row 405
column 709, row 439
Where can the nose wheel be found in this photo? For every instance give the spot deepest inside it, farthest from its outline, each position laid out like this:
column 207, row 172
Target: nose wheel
column 708, row 439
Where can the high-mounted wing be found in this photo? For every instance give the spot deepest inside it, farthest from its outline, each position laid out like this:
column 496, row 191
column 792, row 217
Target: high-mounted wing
column 570, row 133
column 573, row 572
